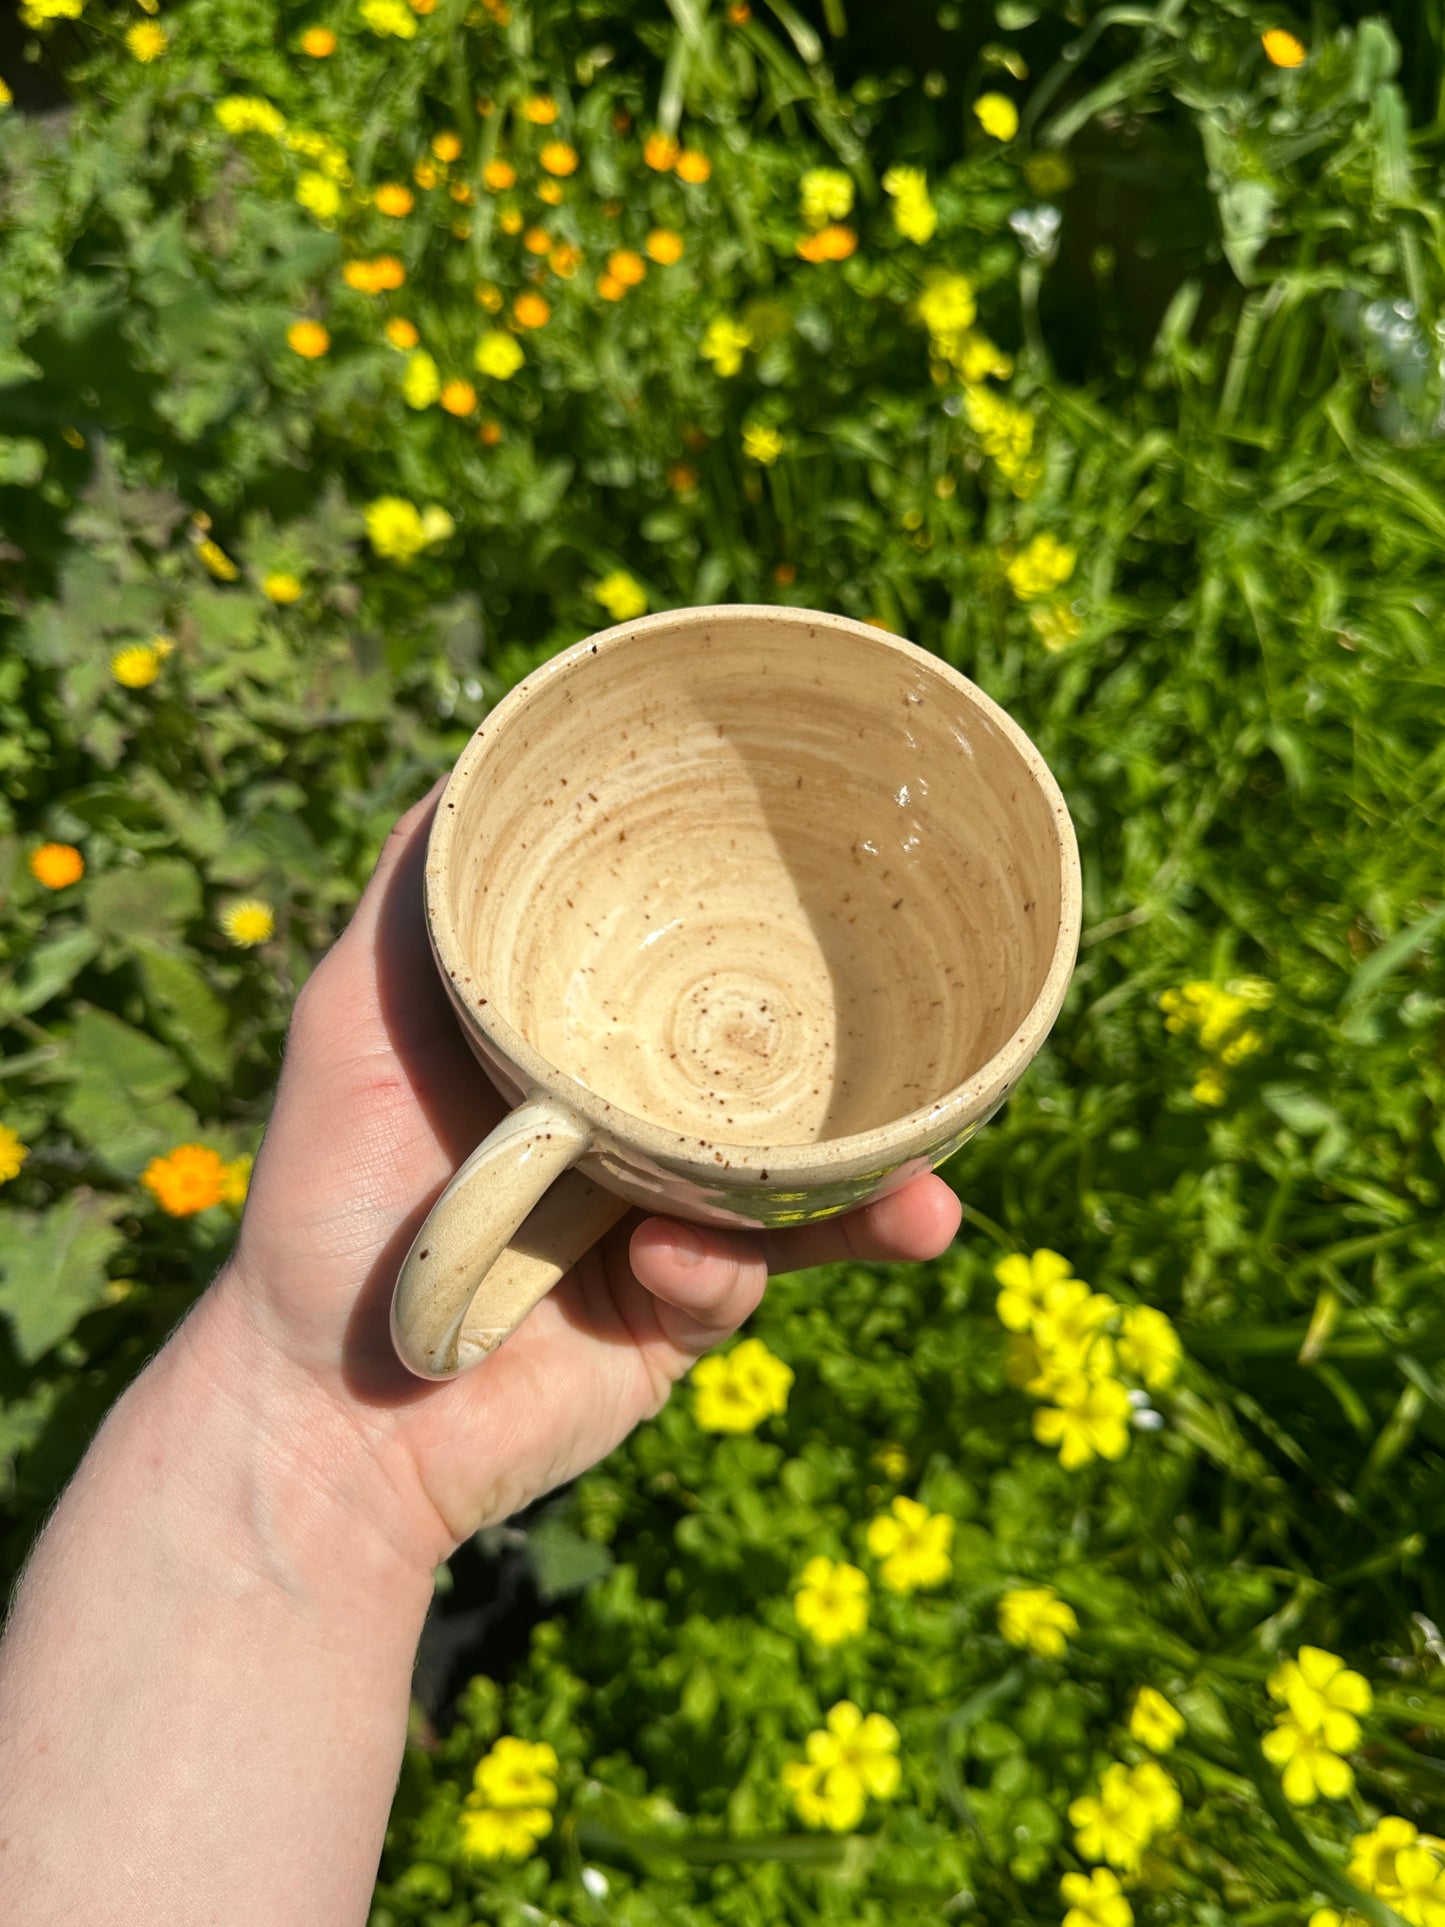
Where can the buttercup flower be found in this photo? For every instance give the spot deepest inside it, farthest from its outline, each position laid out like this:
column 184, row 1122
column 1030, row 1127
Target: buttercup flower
column 1322, row 1694
column 248, row 922
column 147, row 40
column 1069, row 1337
column 1309, row 1769
column 736, row 1390
column 389, row 18
column 187, row 1180
column 1154, row 1722
column 399, row 530
column 849, row 1758
column 318, row 195
column 308, row 339
column 137, row 665
column 946, row 307
column 1089, row 1418
column 914, row 214
column 1095, row 1900
column 913, row 1544
column 660, row 151
column 57, row 864
column 401, row 334
column 1131, row 1807
column 421, row 381
column 1025, row 1281
column 280, row 586
column 498, row 176
column 559, row 158
column 394, row 199
column 621, row 595
column 498, row 355
column 692, row 167
column 825, row 194
column 1281, row 48
column 1005, row 432
column 823, row 1800
column 1149, row 1347
column 508, row 1810
column 35, row 13
column 664, row 245
column 531, row 311
column 458, row 397
column 997, row 115
column 318, row 42
column 12, row 1154
column 832, row 1602
column 724, row 342
column 1043, row 565
column 762, row 443
column 1035, row 1618
column 1402, row 1866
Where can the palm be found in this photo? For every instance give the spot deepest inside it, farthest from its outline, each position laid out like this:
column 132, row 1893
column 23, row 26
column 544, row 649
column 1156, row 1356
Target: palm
column 380, row 1100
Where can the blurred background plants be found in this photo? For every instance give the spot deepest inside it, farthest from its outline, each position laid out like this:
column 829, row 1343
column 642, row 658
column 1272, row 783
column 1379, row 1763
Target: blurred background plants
column 352, row 361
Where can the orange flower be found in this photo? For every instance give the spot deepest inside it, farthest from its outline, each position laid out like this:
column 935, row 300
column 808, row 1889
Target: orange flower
column 832, row 243
column 319, row 42
column 559, row 157
column 394, row 199
column 371, row 277
column 423, row 6
column 424, row 174
column 785, row 575
column 683, row 477
column 57, row 864
column 401, row 334
column 565, row 259
column 739, row 13
column 540, row 109
column 461, row 192
column 693, row 166
column 1282, row 49
column 660, row 151
column 458, row 397
column 510, row 220
column 497, row 176
column 537, row 240
column 446, row 147
column 610, row 288
column 550, row 192
column 664, row 245
column 531, row 311
column 625, row 266
column 489, row 434
column 488, row 297
column 190, row 1179
column 308, row 339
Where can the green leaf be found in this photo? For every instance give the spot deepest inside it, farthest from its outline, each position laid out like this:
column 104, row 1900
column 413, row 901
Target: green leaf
column 122, row 1102
column 53, row 1267
column 48, row 969
column 152, row 901
column 197, row 1016
column 22, row 461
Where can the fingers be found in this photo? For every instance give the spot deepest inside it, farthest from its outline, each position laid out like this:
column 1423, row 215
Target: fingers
column 707, row 1281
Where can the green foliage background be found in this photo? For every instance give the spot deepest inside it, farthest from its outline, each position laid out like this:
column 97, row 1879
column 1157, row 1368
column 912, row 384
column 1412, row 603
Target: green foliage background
column 1232, row 353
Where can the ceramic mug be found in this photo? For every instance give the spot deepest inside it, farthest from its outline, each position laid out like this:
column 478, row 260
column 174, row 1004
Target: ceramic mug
column 754, row 914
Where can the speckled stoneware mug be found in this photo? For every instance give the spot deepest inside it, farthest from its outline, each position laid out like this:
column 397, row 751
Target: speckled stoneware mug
column 754, row 914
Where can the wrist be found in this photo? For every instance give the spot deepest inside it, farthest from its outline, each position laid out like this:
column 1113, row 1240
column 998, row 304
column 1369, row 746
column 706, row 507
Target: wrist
column 309, row 1495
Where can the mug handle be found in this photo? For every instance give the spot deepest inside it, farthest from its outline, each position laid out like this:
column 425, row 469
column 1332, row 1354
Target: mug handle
column 469, row 1279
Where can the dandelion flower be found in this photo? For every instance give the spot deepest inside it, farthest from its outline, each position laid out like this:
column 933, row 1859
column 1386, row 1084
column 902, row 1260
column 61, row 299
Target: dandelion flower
column 147, row 41
column 693, row 167
column 458, row 397
column 309, row 339
column 1281, row 48
column 447, row 147
column 318, row 42
column 498, row 176
column 389, row 18
column 626, row 266
column 664, row 245
column 136, row 666
column 660, row 151
column 249, row 922
column 189, row 1179
column 57, row 864
column 280, row 586
column 833, row 243
column 531, row 311
column 12, row 1154
column 558, row 157
column 401, row 334
column 997, row 115
column 395, row 528
column 540, row 109
column 249, row 114
column 394, row 199
column 610, row 288
column 914, row 214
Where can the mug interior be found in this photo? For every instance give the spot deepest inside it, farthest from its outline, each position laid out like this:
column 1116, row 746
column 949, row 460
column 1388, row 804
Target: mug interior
column 758, row 882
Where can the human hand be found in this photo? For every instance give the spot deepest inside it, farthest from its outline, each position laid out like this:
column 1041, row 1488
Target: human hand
column 380, row 1099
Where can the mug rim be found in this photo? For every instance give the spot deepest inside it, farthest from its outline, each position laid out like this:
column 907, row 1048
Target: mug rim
column 828, row 1159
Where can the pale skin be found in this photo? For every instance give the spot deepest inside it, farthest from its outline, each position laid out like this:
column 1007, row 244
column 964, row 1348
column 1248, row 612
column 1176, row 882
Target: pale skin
column 205, row 1678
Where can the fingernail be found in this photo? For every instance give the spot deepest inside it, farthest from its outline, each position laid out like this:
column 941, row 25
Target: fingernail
column 687, row 1247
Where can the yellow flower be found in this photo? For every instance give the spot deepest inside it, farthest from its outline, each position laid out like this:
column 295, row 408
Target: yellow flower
column 832, row 243
column 188, row 1180
column 1209, row 1087
column 621, row 595
column 394, row 199
column 914, row 214
column 558, row 157
column 236, row 1181
column 660, row 151
column 1035, row 1618
column 849, row 1758
column 281, row 586
column 36, row 12
column 421, row 381
column 693, row 167
column 891, row 1460
column 1095, row 1900
column 1322, row 1694
column 536, row 240
column 550, row 192
column 1068, row 1332
column 136, row 666
column 531, row 311
column 737, row 1390
column 825, row 194
column 947, row 309
column 1309, row 1768
column 724, row 342
column 57, row 864
column 1055, row 625
column 318, row 42
column 328, row 154
column 1281, row 48
column 12, row 1154
column 375, row 276
column 1149, row 1347
column 249, row 114
column 498, row 176
column 147, row 40
column 308, row 339
column 1089, row 1418
column 319, row 196
column 401, row 334
column 997, row 115
column 1005, row 432
column 762, row 443
column 248, row 922
column 389, row 17
column 1043, row 565
column 447, row 147
column 458, row 397
column 1025, row 1282
column 426, row 173
column 913, row 1544
column 540, row 109
column 626, row 266
column 490, row 1833
column 7, row 98
column 498, row 354
column 1391, row 1860
column 399, row 530
column 1130, row 1809
column 564, row 260
column 1154, row 1722
column 489, row 296
column 610, row 288
column 518, row 1774
column 832, row 1603
column 664, row 245
column 215, row 561
column 822, row 1799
